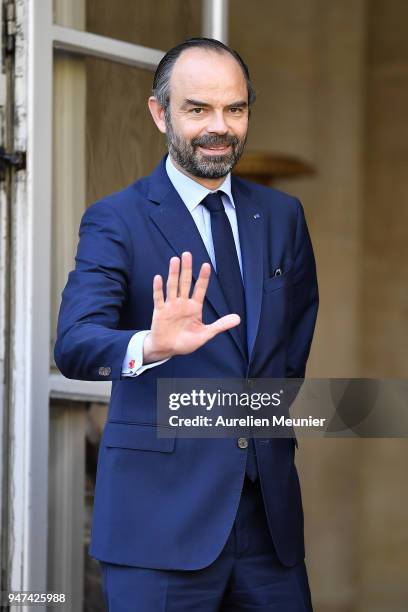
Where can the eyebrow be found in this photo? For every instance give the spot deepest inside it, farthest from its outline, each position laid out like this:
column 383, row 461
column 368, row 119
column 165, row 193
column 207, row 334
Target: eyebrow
column 190, row 102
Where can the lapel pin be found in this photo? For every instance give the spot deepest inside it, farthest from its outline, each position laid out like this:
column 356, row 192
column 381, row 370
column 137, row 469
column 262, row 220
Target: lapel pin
column 257, row 216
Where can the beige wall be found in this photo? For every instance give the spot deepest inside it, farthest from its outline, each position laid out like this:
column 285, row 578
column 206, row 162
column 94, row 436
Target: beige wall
column 384, row 295
column 384, row 301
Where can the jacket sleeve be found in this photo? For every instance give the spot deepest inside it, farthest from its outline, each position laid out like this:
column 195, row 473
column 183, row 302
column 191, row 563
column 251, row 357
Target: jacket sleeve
column 305, row 301
column 89, row 345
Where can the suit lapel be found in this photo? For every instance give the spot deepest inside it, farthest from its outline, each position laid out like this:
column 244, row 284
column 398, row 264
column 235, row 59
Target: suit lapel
column 176, row 224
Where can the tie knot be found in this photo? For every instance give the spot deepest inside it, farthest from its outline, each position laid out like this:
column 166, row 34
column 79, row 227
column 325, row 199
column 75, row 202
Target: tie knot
column 213, row 202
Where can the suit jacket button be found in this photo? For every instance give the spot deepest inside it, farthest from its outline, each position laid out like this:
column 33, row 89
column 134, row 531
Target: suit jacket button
column 242, row 442
column 104, row 371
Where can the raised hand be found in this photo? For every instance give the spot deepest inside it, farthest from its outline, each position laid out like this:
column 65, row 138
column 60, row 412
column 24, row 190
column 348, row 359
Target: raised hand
column 177, row 327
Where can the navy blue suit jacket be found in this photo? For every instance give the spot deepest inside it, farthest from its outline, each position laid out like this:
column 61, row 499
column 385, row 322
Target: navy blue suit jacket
column 169, row 503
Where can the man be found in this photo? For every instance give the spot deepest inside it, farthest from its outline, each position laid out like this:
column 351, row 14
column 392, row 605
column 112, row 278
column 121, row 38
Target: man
column 183, row 524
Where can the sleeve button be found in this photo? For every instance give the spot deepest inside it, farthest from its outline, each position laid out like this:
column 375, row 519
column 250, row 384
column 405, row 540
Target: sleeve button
column 104, row 371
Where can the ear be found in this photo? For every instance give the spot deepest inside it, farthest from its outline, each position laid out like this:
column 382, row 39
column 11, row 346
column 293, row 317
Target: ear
column 157, row 112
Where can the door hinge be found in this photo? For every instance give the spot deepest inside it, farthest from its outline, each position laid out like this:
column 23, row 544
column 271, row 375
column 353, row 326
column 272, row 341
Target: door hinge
column 10, row 26
column 16, row 159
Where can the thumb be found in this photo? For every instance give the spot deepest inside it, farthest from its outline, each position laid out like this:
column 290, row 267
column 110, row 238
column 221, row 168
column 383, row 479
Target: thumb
column 222, row 324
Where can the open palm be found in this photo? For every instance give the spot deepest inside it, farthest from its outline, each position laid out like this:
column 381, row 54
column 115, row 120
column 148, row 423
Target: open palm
column 177, row 327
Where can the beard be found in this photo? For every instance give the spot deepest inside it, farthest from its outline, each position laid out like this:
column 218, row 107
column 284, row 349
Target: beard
column 187, row 154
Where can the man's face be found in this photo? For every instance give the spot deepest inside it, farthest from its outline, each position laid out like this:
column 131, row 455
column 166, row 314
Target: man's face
column 207, row 121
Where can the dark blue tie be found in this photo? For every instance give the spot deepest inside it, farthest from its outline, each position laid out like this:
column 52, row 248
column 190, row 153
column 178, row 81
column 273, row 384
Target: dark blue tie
column 230, row 280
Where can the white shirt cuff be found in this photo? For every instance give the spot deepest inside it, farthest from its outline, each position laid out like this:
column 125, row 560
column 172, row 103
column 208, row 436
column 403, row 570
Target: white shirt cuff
column 133, row 362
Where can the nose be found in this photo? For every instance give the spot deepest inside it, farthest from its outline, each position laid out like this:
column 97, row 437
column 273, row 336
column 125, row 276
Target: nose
column 217, row 123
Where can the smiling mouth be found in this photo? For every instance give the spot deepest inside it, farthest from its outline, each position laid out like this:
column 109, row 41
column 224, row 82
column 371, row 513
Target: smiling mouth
column 219, row 149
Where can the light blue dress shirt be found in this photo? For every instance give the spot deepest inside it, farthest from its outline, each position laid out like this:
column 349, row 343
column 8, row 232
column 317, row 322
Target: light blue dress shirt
column 192, row 194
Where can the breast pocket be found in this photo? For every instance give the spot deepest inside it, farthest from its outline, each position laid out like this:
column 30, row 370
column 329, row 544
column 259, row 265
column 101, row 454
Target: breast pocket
column 276, row 282
column 135, row 436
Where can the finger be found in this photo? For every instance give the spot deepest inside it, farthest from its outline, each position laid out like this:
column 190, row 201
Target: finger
column 158, row 297
column 186, row 274
column 201, row 284
column 222, row 324
column 172, row 279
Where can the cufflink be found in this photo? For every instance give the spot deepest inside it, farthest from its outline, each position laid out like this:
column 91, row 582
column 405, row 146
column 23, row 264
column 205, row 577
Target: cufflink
column 103, row 371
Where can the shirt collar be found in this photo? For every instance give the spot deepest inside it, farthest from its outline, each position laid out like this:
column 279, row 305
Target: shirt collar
column 191, row 192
